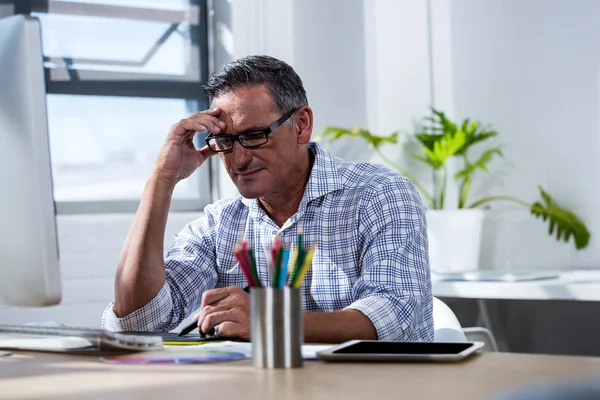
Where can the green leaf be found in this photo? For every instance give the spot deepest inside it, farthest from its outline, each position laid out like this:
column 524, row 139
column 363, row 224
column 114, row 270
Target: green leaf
column 465, row 125
column 444, row 147
column 476, row 137
column 481, row 163
column 334, row 133
column 562, row 223
column 448, row 125
column 438, row 125
column 427, row 139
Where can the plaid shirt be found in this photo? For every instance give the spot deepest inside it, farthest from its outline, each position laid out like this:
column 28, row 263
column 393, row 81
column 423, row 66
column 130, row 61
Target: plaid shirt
column 372, row 254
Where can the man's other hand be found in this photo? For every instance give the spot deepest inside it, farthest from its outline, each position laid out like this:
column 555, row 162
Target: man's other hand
column 228, row 309
column 178, row 157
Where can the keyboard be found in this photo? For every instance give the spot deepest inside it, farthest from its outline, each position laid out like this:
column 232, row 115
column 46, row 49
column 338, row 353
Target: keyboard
column 75, row 340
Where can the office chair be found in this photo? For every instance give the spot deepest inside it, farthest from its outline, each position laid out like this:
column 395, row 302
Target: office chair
column 445, row 324
column 481, row 334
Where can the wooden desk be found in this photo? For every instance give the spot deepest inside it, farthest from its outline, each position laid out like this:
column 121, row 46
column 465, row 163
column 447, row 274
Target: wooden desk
column 50, row 376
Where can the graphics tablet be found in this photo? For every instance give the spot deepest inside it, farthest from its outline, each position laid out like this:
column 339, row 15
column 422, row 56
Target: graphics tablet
column 373, row 350
column 173, row 338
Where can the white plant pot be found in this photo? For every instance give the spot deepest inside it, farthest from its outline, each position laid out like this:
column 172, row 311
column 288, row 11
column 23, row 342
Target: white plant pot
column 454, row 239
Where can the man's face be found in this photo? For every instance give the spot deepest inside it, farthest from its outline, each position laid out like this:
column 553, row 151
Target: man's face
column 266, row 170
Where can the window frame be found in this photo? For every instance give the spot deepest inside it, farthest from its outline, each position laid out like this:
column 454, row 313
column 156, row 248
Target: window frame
column 138, row 87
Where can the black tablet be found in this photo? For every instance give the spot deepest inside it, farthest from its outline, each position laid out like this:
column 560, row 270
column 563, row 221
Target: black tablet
column 373, row 350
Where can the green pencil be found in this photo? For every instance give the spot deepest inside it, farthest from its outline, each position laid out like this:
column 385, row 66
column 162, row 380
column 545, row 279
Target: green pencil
column 254, row 269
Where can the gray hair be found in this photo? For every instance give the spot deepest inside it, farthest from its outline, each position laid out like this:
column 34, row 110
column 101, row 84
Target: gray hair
column 280, row 79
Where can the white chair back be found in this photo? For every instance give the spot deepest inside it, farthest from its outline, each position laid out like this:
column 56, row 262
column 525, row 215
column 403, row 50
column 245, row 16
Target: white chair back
column 481, row 334
column 445, row 324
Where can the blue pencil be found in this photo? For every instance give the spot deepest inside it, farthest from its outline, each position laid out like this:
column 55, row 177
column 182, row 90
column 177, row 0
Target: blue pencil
column 284, row 267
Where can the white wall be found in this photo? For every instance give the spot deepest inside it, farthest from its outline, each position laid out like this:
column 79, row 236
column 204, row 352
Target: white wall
column 329, row 56
column 398, row 75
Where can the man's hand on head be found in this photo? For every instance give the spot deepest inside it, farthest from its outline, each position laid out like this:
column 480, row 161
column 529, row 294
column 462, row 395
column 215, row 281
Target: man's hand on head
column 227, row 310
column 178, row 157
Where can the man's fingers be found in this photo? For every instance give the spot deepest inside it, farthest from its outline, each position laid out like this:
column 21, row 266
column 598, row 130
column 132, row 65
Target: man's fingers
column 234, row 329
column 212, row 111
column 214, row 295
column 199, row 122
column 228, row 328
column 189, row 134
column 216, row 318
column 187, row 125
column 213, row 124
column 206, row 152
column 191, row 125
column 228, row 304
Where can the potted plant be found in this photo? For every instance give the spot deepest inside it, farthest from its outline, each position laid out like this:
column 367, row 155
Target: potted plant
column 455, row 233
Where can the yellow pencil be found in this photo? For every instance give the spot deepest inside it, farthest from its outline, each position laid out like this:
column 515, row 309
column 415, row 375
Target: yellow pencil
column 307, row 262
column 291, row 265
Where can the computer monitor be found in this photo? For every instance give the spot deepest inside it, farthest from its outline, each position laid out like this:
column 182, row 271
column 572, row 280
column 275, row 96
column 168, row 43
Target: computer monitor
column 29, row 264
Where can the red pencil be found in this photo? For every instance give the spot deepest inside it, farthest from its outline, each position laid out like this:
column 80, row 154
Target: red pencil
column 244, row 266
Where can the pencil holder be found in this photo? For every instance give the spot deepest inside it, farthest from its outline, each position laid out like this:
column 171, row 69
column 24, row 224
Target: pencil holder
column 277, row 332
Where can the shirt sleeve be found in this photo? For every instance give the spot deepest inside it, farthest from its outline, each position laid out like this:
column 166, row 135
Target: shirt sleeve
column 190, row 271
column 143, row 319
column 394, row 289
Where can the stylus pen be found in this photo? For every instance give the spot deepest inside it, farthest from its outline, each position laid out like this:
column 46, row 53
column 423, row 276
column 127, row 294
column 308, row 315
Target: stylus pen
column 194, row 324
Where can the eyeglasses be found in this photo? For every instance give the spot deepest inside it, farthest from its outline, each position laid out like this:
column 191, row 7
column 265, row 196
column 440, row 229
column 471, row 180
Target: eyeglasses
column 249, row 140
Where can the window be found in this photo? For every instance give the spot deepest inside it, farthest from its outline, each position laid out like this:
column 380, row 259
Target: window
column 119, row 73
column 103, row 148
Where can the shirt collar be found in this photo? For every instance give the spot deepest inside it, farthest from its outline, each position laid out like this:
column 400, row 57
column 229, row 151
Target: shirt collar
column 324, row 178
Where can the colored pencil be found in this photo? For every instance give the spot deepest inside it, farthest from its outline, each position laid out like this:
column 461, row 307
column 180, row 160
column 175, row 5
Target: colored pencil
column 253, row 267
column 291, row 265
column 288, row 267
column 243, row 266
column 284, row 268
column 305, row 266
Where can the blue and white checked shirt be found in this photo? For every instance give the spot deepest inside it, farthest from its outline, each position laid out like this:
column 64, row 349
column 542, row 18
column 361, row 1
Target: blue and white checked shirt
column 372, row 253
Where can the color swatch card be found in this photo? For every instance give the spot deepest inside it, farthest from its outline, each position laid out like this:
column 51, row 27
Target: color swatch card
column 177, row 355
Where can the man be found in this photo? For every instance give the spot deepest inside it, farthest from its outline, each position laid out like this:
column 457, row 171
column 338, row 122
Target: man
column 370, row 274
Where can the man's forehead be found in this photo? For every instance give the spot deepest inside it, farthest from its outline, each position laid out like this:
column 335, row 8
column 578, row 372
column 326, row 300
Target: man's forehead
column 245, row 108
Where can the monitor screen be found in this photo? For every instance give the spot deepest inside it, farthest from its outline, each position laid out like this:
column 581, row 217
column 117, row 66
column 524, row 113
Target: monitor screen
column 29, row 265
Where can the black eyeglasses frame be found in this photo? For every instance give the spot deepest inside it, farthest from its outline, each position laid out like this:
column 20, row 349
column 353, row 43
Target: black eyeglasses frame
column 240, row 138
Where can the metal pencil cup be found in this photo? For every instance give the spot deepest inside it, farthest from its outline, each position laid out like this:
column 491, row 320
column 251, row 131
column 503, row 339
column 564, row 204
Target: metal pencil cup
column 277, row 335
